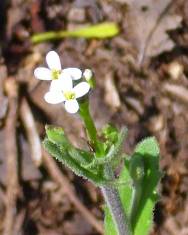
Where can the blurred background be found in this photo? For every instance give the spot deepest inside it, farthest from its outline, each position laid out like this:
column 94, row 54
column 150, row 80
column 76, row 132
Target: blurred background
column 141, row 82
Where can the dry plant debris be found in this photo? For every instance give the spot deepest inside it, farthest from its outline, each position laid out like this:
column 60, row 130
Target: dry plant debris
column 150, row 20
column 12, row 190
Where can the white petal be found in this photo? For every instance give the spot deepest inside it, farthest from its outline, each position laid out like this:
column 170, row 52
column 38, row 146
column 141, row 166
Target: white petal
column 56, row 86
column 42, row 73
column 71, row 106
column 65, row 83
column 53, row 60
column 54, row 97
column 74, row 73
column 61, row 84
column 81, row 89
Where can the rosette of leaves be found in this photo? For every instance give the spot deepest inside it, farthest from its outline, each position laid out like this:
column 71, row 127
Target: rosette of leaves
column 84, row 163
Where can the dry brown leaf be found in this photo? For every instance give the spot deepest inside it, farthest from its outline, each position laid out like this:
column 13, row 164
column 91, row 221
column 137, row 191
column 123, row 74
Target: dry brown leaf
column 111, row 94
column 149, row 22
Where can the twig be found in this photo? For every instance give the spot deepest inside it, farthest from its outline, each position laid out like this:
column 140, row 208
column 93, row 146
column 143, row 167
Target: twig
column 11, row 157
column 63, row 182
column 31, row 131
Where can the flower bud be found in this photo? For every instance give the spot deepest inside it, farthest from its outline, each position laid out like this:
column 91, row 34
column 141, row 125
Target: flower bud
column 88, row 75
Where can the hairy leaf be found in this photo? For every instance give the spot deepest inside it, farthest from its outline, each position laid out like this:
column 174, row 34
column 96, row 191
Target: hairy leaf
column 146, row 154
column 113, row 156
column 63, row 156
column 149, row 151
column 108, row 223
column 57, row 136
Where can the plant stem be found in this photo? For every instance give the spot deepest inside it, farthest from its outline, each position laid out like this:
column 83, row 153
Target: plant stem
column 90, row 126
column 111, row 194
column 113, row 201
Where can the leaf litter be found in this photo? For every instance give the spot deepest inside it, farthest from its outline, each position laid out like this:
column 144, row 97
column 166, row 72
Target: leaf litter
column 150, row 21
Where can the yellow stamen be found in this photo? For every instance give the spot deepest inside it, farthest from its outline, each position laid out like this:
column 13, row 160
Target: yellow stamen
column 69, row 95
column 55, row 74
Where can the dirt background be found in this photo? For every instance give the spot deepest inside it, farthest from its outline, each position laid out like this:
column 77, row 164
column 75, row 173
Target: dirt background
column 141, row 77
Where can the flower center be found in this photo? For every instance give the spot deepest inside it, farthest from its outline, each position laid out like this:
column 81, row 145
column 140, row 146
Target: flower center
column 69, row 95
column 55, row 74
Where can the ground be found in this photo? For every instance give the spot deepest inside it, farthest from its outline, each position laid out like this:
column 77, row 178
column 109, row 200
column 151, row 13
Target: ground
column 141, row 82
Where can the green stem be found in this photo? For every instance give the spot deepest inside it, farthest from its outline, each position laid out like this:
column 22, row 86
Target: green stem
column 90, row 127
column 111, row 194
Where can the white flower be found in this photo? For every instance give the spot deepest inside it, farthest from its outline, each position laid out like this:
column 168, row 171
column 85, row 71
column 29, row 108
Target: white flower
column 55, row 72
column 67, row 94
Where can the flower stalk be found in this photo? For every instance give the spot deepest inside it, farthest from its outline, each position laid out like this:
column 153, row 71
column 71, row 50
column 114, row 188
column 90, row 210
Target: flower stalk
column 90, row 127
column 110, row 193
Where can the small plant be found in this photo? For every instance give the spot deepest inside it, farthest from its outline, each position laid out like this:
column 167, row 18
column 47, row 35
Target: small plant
column 131, row 196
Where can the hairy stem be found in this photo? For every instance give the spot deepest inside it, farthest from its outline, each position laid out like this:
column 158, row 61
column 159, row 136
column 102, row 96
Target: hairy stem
column 115, row 206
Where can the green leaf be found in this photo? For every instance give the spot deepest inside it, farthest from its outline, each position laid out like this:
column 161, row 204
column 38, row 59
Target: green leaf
column 109, row 227
column 63, row 156
column 110, row 133
column 113, row 156
column 148, row 146
column 143, row 190
column 57, row 136
column 149, row 151
column 59, row 147
column 98, row 31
